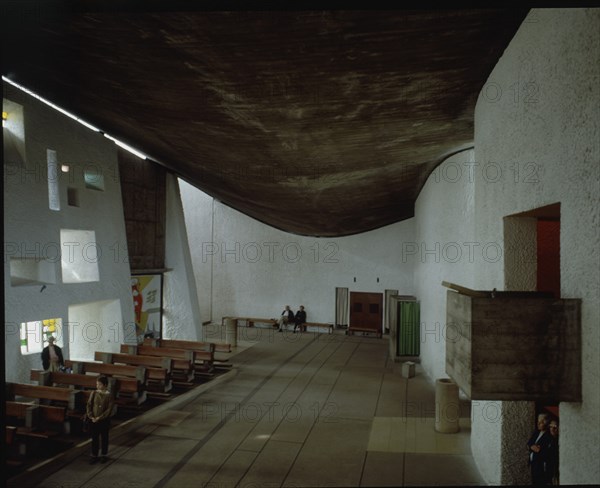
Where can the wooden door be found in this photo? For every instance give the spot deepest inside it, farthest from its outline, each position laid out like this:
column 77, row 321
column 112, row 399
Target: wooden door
column 366, row 312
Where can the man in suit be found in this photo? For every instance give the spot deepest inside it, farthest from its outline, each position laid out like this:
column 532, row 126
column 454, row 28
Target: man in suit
column 52, row 357
column 537, row 447
column 552, row 455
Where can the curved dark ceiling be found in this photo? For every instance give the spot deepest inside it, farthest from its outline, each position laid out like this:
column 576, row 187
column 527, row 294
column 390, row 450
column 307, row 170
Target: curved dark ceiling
column 322, row 123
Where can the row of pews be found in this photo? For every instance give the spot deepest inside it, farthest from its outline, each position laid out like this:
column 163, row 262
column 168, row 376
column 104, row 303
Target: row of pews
column 44, row 414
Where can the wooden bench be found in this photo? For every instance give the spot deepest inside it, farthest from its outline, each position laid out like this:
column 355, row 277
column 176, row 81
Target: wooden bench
column 328, row 326
column 250, row 321
column 30, row 425
column 50, row 394
column 204, row 351
column 183, row 360
column 36, row 419
column 158, row 369
column 222, row 346
column 129, row 371
column 124, row 389
column 365, row 330
column 130, row 380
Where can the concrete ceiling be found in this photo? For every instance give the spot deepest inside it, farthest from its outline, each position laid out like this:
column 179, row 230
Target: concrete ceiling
column 322, row 123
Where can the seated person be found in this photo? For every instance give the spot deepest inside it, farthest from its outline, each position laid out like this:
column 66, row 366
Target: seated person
column 300, row 318
column 287, row 317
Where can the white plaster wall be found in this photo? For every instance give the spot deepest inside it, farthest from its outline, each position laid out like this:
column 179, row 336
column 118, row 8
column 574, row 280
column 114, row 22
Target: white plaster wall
column 181, row 312
column 550, row 133
column 444, row 249
column 447, row 247
column 198, row 212
column 30, row 228
column 94, row 322
column 257, row 269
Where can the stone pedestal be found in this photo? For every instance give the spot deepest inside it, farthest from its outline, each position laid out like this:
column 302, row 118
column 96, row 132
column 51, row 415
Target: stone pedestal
column 447, row 407
column 408, row 369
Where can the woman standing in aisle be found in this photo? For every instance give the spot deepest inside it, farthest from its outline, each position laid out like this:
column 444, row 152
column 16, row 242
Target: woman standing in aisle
column 98, row 411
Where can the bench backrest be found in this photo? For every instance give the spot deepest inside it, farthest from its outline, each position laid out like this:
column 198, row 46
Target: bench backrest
column 135, row 359
column 72, row 379
column 181, row 344
column 82, row 367
column 205, row 351
column 258, row 320
column 182, row 358
column 53, row 393
column 17, row 409
column 159, row 351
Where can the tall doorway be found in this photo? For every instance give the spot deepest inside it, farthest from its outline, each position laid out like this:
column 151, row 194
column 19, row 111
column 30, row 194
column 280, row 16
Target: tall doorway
column 366, row 312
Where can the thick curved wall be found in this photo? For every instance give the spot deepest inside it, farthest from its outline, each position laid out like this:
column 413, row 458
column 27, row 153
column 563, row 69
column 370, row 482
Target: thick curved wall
column 538, row 122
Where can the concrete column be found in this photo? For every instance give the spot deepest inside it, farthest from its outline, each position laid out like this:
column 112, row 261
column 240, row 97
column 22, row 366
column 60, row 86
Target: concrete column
column 518, row 422
column 447, row 408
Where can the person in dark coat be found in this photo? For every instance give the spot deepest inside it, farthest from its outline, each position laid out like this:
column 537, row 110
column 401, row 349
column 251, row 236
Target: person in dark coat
column 300, row 318
column 537, row 447
column 552, row 455
column 52, row 356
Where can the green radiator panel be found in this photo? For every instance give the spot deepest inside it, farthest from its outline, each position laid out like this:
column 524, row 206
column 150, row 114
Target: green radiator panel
column 408, row 329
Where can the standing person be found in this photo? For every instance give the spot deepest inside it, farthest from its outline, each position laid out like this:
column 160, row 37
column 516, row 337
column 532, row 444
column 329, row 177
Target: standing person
column 99, row 409
column 552, row 454
column 300, row 318
column 537, row 447
column 287, row 317
column 52, row 356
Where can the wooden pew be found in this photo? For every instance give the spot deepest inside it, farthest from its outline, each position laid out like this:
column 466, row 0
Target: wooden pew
column 215, row 347
column 28, row 424
column 124, row 389
column 250, row 321
column 328, row 326
column 158, row 369
column 22, row 414
column 51, row 394
column 195, row 345
column 219, row 346
column 129, row 371
column 183, row 360
column 130, row 380
column 46, row 378
column 36, row 419
column 204, row 351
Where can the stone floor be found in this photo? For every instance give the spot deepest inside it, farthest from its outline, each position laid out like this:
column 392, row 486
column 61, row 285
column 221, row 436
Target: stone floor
column 311, row 409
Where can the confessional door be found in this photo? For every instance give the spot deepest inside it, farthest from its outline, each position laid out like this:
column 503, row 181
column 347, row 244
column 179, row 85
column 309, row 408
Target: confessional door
column 366, row 312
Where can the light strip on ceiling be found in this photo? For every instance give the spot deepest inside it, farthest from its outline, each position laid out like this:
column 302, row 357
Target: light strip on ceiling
column 126, row 147
column 74, row 117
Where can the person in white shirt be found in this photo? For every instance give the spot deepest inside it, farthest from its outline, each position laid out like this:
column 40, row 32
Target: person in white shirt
column 287, row 317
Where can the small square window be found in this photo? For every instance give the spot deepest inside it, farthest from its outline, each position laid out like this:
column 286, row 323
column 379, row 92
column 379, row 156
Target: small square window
column 34, row 335
column 94, row 179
